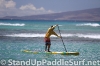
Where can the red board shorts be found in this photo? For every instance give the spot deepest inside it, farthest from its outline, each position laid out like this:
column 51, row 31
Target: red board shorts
column 47, row 41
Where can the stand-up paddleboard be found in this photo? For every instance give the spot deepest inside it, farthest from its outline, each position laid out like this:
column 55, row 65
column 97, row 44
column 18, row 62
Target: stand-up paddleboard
column 62, row 53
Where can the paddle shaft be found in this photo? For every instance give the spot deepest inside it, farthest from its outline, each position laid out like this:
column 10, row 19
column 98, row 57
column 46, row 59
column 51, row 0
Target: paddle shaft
column 62, row 39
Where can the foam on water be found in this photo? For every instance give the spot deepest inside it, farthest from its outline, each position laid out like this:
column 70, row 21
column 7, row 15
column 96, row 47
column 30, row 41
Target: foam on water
column 89, row 24
column 92, row 36
column 12, row 24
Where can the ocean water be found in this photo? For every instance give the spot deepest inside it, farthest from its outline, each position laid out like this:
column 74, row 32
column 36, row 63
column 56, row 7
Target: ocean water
column 17, row 35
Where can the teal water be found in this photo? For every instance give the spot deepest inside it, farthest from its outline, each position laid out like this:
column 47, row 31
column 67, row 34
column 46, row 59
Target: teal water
column 17, row 35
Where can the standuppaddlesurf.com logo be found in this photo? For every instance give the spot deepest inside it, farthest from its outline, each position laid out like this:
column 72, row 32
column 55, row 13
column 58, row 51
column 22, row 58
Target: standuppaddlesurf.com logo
column 44, row 62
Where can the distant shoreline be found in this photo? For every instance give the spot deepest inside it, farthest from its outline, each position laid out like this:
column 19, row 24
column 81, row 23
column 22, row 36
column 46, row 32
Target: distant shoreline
column 88, row 15
column 54, row 20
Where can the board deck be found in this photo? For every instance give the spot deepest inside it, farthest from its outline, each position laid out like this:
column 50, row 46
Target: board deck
column 62, row 53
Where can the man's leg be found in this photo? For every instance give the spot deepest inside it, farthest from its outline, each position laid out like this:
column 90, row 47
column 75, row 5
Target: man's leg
column 46, row 47
column 49, row 48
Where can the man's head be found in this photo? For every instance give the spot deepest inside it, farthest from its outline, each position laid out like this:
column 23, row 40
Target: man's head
column 52, row 27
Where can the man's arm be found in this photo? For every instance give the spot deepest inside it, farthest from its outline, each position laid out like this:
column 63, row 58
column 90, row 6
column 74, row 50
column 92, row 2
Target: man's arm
column 55, row 34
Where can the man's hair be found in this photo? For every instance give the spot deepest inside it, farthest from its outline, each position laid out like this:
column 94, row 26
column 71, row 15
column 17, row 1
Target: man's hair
column 52, row 26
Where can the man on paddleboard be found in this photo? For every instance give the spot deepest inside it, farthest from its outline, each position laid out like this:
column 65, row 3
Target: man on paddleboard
column 47, row 37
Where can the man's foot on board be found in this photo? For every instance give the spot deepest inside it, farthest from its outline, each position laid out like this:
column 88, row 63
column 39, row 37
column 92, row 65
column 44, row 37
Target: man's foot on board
column 49, row 51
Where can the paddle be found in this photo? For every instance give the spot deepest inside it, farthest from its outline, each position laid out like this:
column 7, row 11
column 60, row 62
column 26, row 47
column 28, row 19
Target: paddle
column 62, row 39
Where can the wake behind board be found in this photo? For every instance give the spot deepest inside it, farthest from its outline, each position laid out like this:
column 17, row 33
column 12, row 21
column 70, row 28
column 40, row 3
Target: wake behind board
column 62, row 53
